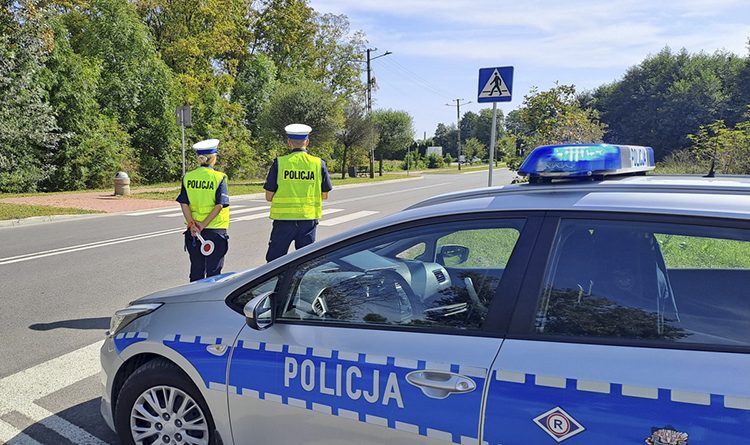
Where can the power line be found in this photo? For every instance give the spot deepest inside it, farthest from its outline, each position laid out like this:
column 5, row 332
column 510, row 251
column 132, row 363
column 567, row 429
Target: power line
column 405, row 74
column 420, row 78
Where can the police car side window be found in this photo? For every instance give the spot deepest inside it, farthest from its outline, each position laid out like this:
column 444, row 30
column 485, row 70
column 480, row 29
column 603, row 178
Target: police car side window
column 648, row 281
column 266, row 286
column 374, row 282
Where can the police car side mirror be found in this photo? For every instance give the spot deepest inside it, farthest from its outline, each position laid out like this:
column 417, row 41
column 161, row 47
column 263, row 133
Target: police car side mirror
column 452, row 255
column 259, row 311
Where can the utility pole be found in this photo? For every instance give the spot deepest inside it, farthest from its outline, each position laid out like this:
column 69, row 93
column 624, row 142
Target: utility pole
column 368, row 100
column 458, row 126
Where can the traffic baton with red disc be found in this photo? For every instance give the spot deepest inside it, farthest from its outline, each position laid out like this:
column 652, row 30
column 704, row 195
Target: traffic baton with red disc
column 207, row 247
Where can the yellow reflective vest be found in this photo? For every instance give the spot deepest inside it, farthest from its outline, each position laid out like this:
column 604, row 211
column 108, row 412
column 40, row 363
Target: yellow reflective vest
column 299, row 187
column 201, row 185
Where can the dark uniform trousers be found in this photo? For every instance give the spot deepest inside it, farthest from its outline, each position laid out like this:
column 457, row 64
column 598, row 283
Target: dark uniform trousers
column 206, row 266
column 302, row 232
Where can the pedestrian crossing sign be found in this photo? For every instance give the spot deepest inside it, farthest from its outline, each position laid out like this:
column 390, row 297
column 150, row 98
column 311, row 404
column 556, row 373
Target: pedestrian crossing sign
column 495, row 84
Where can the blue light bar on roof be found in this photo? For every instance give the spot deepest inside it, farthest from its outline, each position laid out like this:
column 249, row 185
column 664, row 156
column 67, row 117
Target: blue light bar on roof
column 583, row 160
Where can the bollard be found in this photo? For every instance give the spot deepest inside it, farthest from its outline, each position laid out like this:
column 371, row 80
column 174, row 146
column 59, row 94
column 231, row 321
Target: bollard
column 122, row 184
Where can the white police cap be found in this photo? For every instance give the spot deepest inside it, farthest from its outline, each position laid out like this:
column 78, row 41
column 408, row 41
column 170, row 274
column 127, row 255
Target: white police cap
column 207, row 147
column 297, row 131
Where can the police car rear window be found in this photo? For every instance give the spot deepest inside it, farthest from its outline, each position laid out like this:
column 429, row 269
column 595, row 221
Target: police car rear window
column 645, row 281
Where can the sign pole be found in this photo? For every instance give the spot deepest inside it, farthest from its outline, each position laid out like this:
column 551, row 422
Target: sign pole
column 182, row 130
column 492, row 142
column 495, row 85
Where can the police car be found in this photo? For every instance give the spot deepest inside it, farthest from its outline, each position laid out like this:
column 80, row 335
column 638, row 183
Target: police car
column 609, row 309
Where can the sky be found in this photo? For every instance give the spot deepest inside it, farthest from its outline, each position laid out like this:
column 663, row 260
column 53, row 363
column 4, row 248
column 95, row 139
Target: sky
column 438, row 46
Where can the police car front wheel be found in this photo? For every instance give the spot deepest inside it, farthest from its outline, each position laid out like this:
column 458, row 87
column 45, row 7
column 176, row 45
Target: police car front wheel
column 159, row 405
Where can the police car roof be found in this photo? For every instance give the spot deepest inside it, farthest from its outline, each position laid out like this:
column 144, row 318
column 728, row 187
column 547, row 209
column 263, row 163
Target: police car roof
column 726, row 196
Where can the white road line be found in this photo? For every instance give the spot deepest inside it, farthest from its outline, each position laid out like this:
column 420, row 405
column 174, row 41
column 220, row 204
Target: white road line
column 150, row 212
column 11, row 435
column 177, row 214
column 70, row 249
column 267, row 214
column 51, row 376
column 377, row 195
column 72, row 432
column 347, row 218
column 232, row 210
column 93, row 245
column 19, row 391
column 44, row 253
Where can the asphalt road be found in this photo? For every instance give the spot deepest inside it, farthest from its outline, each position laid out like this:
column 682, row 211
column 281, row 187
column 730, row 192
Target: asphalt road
column 61, row 281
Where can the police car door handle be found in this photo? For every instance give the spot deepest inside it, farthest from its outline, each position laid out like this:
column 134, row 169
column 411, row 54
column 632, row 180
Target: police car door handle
column 440, row 384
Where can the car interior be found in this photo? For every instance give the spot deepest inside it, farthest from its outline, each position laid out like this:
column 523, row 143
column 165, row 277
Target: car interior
column 612, row 281
column 415, row 281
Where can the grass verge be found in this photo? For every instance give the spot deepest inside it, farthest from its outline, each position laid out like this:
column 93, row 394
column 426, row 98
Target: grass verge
column 18, row 211
column 248, row 187
column 464, row 169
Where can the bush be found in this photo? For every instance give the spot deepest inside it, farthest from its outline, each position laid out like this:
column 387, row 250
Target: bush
column 416, row 161
column 682, row 162
column 448, row 159
column 435, row 161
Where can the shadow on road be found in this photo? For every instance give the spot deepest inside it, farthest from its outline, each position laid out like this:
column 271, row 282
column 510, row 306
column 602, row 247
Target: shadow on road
column 50, row 430
column 79, row 323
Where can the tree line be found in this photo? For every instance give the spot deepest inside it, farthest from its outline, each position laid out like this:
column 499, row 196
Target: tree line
column 90, row 87
column 691, row 108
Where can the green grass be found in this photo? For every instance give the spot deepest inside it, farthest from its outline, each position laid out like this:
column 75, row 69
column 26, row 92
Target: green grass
column 487, row 247
column 691, row 252
column 464, row 169
column 18, row 211
column 248, row 187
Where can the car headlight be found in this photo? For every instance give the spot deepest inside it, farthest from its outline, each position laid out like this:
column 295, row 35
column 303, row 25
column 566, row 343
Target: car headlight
column 124, row 317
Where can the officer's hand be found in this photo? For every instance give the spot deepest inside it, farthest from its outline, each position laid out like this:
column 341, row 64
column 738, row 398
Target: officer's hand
column 198, row 226
column 195, row 229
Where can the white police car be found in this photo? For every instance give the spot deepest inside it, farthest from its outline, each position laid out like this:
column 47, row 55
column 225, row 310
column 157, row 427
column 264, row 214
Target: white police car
column 599, row 311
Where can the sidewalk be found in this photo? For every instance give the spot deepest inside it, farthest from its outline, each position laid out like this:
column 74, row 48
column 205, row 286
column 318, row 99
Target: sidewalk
column 100, row 201
column 108, row 203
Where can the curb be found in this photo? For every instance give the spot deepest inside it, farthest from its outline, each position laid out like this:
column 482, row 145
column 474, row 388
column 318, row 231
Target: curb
column 34, row 220
column 58, row 218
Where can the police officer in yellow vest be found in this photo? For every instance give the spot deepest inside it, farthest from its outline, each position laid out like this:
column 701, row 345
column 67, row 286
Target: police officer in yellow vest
column 296, row 186
column 204, row 199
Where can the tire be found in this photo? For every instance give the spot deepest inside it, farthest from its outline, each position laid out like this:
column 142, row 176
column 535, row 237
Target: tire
column 159, row 405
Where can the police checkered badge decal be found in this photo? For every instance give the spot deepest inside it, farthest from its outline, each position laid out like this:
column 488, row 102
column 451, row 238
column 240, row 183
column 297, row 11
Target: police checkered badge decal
column 559, row 424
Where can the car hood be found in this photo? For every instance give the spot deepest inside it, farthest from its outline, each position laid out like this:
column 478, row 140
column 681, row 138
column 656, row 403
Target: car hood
column 209, row 289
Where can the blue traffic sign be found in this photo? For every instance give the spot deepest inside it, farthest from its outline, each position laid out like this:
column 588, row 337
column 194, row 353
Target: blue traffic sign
column 495, row 84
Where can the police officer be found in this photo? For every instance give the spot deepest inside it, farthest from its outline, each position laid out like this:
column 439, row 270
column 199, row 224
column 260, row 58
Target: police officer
column 296, row 186
column 204, row 199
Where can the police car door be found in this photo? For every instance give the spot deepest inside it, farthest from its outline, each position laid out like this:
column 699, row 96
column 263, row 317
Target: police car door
column 376, row 341
column 634, row 330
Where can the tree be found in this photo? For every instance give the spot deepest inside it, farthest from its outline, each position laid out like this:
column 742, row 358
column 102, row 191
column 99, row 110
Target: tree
column 305, row 102
column 668, row 96
column 336, row 57
column 468, row 125
column 198, row 38
column 554, row 116
column 359, row 131
column 285, row 31
column 253, row 88
column 483, row 126
column 395, row 133
column 28, row 130
column 474, row 148
column 136, row 87
column 729, row 148
column 94, row 146
column 445, row 136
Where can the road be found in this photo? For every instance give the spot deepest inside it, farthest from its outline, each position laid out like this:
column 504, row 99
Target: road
column 61, row 281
